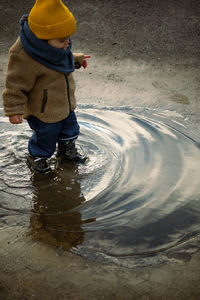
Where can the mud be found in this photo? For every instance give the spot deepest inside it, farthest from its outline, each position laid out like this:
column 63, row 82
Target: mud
column 145, row 57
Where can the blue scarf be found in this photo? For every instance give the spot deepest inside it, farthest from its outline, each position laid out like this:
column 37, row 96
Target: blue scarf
column 53, row 58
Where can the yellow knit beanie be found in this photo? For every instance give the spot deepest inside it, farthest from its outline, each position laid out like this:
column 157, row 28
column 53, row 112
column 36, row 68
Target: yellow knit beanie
column 51, row 19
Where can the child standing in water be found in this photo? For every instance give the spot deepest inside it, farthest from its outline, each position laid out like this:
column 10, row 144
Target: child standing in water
column 39, row 83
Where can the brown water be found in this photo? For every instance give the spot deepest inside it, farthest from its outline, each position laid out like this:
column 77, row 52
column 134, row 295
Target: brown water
column 138, row 195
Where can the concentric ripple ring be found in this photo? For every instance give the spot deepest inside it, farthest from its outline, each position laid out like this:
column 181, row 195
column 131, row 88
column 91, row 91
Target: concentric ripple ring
column 138, row 195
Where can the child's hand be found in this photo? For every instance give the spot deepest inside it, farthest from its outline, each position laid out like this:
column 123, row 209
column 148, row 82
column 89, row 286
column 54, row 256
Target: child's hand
column 84, row 63
column 17, row 119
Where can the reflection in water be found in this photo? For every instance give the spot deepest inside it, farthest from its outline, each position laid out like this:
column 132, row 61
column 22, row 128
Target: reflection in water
column 54, row 219
column 139, row 194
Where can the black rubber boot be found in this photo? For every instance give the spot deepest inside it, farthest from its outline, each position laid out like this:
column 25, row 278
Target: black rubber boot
column 68, row 151
column 38, row 164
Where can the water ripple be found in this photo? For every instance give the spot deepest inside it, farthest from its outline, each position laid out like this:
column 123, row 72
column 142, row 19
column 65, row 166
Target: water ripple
column 139, row 194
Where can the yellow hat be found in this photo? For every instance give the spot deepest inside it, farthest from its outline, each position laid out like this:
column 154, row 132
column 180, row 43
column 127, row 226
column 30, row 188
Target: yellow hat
column 51, row 19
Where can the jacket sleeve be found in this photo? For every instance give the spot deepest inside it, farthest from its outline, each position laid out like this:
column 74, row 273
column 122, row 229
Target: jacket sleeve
column 78, row 60
column 20, row 79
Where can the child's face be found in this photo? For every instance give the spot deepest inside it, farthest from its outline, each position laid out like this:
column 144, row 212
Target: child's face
column 61, row 43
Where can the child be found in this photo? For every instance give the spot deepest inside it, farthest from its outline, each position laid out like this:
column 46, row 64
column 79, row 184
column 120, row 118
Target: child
column 39, row 84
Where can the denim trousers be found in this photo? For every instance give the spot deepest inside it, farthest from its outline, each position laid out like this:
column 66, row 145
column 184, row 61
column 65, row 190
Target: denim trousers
column 46, row 135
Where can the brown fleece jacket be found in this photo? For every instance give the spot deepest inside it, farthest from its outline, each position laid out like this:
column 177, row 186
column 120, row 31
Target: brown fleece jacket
column 33, row 89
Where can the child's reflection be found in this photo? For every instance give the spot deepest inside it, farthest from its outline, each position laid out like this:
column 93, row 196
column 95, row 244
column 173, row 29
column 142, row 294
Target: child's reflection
column 53, row 221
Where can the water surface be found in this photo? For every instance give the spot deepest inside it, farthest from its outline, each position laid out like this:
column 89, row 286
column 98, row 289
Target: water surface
column 138, row 195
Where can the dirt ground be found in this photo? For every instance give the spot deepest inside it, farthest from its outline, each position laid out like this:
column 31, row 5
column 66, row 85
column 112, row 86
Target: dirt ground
column 145, row 54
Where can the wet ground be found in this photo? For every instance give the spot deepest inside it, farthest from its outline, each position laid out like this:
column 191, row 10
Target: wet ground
column 136, row 203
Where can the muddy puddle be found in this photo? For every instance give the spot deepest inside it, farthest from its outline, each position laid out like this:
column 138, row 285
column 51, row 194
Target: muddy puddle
column 138, row 195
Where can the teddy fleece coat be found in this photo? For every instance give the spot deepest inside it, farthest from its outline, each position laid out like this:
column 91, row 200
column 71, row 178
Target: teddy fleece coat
column 34, row 89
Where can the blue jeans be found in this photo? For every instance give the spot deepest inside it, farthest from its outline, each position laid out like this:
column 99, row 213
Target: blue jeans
column 46, row 135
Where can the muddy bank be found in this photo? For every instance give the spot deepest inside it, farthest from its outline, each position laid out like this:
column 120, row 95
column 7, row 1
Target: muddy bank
column 122, row 29
column 56, row 275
